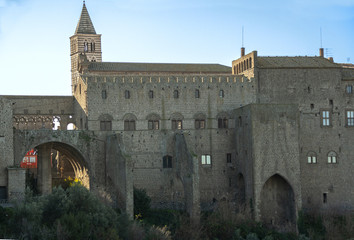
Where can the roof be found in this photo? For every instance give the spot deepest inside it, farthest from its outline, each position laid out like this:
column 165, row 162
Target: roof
column 295, row 62
column 85, row 25
column 158, row 67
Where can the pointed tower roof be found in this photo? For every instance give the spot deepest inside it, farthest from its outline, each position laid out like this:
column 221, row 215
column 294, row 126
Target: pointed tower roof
column 85, row 25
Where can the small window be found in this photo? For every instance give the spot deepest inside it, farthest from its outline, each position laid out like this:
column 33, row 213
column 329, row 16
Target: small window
column 151, row 94
column 175, row 94
column 221, row 93
column 197, row 93
column 129, row 125
column 153, row 124
column 240, row 121
column 92, row 47
column 324, row 197
column 199, row 124
column 85, row 47
column 222, row 123
column 325, row 118
column 332, row 157
column 349, row 118
column 3, row 193
column 104, row 125
column 311, row 158
column 228, row 157
column 349, row 89
column 104, row 94
column 177, row 124
column 167, row 161
column 127, row 94
column 206, row 159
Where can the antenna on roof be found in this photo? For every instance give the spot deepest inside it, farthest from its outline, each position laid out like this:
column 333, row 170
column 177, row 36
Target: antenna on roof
column 242, row 48
column 321, row 48
column 242, row 37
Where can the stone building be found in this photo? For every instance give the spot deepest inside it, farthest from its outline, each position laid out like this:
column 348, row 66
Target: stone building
column 271, row 135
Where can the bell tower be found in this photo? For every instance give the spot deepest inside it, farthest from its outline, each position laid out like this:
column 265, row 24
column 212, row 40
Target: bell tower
column 85, row 42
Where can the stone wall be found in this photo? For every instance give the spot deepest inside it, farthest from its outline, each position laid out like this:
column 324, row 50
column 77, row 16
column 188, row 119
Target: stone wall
column 6, row 140
column 324, row 185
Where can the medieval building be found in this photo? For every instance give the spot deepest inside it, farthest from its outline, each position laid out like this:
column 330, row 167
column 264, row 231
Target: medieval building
column 270, row 134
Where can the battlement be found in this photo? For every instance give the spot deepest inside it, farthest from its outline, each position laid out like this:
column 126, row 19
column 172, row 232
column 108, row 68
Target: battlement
column 168, row 79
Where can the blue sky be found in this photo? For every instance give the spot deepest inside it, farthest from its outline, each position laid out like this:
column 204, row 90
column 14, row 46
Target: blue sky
column 34, row 34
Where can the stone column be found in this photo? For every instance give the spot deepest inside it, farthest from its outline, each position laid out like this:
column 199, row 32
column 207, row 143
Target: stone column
column 44, row 169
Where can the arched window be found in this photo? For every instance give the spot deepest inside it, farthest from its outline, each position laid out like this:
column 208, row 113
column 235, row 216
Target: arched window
column 153, row 121
column 105, row 122
column 223, row 121
column 167, row 161
column 85, row 47
column 129, row 122
column 92, row 46
column 199, row 121
column 176, row 121
column 332, row 157
column 175, row 94
column 250, row 62
column 311, row 158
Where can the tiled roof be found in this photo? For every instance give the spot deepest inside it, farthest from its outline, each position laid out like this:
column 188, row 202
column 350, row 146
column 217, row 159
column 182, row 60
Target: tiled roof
column 158, row 67
column 295, row 62
column 85, row 25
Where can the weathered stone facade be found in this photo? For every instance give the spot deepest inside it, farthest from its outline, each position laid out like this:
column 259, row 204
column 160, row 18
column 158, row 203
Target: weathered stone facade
column 272, row 134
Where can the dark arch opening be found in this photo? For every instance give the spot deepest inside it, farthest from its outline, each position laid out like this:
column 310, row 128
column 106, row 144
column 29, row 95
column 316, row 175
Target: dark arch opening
column 56, row 164
column 278, row 204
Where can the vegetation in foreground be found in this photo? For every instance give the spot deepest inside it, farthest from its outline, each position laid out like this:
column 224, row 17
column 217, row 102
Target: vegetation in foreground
column 74, row 213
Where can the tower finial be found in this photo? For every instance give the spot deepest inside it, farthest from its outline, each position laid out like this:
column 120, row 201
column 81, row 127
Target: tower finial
column 84, row 1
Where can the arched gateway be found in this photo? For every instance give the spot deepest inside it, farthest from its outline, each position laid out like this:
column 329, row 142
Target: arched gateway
column 278, row 203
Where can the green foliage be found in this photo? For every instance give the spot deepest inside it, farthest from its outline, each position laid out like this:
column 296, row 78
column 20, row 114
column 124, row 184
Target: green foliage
column 311, row 225
column 141, row 203
column 70, row 214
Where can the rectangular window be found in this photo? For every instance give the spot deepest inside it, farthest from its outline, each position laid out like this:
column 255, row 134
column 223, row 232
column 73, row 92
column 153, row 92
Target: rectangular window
column 199, row 124
column 324, row 197
column 222, row 123
column 127, row 94
column 3, row 193
column 105, row 125
column 167, row 162
column 153, row 124
column 129, row 125
column 177, row 124
column 349, row 89
column 332, row 159
column 197, row 93
column 228, row 157
column 325, row 118
column 206, row 159
column 350, row 118
column 311, row 159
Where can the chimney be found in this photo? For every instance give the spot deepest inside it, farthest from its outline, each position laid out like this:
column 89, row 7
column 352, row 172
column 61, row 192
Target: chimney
column 330, row 59
column 242, row 51
column 321, row 52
